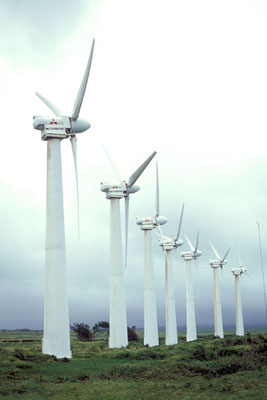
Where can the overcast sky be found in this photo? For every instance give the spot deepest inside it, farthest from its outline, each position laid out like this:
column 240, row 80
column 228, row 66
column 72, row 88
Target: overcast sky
column 186, row 78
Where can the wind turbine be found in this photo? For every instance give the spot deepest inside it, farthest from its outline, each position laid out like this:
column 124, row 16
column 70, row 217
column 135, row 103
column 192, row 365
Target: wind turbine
column 147, row 224
column 118, row 336
column 237, row 272
column 193, row 253
column 216, row 264
column 56, row 339
column 168, row 245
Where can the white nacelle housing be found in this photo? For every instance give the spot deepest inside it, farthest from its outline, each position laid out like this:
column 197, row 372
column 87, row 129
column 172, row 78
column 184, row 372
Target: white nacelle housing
column 58, row 127
column 236, row 271
column 166, row 243
column 147, row 223
column 214, row 264
column 189, row 255
column 117, row 191
column 239, row 270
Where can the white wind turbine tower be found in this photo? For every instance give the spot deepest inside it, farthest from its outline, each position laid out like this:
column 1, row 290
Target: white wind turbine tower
column 237, row 272
column 193, row 253
column 118, row 336
column 56, row 339
column 168, row 245
column 215, row 265
column 151, row 337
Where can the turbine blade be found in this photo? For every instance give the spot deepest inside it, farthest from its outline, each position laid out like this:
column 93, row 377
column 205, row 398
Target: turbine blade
column 162, row 239
column 133, row 178
column 112, row 163
column 73, row 141
column 127, row 199
column 180, row 224
column 249, row 276
column 196, row 244
column 238, row 253
column 157, row 190
column 177, row 252
column 190, row 244
column 80, row 95
column 226, row 254
column 215, row 251
column 50, row 105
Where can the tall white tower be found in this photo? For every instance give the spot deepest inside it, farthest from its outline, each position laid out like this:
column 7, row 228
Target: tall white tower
column 216, row 265
column 56, row 339
column 237, row 272
column 147, row 224
column 191, row 329
column 151, row 337
column 118, row 335
column 168, row 245
column 218, row 321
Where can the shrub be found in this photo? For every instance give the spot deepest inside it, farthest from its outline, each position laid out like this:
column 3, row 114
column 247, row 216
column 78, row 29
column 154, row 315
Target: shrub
column 132, row 335
column 83, row 332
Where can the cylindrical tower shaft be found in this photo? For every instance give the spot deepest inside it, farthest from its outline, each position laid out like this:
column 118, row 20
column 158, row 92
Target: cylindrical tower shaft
column 118, row 336
column 56, row 338
column 218, row 323
column 170, row 312
column 238, row 305
column 151, row 337
column 191, row 330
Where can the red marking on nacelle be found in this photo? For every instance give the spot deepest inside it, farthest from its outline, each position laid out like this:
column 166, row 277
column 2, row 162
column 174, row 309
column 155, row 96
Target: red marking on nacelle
column 53, row 122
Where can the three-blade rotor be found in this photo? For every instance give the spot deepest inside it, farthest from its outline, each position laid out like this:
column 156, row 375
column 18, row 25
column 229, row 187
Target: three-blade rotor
column 193, row 249
column 157, row 210
column 127, row 189
column 221, row 260
column 77, row 125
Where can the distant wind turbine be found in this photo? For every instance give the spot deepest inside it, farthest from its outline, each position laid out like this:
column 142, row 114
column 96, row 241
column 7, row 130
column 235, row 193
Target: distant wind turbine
column 193, row 253
column 215, row 265
column 147, row 224
column 117, row 303
column 56, row 339
column 237, row 272
column 262, row 271
column 168, row 245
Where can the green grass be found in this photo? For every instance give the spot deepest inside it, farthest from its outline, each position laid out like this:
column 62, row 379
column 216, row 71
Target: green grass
column 209, row 368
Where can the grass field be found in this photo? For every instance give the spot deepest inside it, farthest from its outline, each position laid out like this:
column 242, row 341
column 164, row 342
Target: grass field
column 209, row 368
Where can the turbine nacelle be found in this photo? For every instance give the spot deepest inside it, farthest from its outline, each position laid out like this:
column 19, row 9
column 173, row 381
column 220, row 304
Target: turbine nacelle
column 217, row 263
column 190, row 255
column 166, row 243
column 59, row 126
column 169, row 244
column 149, row 223
column 118, row 191
column 239, row 270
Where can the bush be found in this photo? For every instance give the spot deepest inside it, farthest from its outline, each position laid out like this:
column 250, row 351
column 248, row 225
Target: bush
column 101, row 326
column 132, row 335
column 83, row 332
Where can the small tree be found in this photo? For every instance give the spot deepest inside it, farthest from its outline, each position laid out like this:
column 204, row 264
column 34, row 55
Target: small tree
column 132, row 335
column 83, row 331
column 101, row 326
